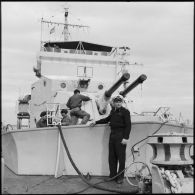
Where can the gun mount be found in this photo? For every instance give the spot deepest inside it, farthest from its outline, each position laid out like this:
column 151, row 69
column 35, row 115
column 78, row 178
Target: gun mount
column 116, row 85
column 104, row 100
column 139, row 80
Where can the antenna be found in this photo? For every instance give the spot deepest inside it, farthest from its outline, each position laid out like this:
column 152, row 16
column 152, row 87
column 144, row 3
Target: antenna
column 65, row 25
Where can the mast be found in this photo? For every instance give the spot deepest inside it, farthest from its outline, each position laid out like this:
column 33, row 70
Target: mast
column 65, row 25
column 66, row 32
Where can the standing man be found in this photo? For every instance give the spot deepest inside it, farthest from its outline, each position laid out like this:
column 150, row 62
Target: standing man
column 120, row 124
column 75, row 103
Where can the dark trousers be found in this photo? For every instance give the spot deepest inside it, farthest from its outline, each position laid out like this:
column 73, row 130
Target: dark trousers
column 78, row 113
column 117, row 154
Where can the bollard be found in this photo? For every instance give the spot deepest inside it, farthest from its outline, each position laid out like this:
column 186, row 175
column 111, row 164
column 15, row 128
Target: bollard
column 171, row 149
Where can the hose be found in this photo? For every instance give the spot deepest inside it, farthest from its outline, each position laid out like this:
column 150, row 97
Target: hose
column 122, row 170
column 82, row 176
column 112, row 178
column 144, row 167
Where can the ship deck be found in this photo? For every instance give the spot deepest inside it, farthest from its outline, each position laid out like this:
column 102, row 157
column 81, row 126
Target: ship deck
column 25, row 184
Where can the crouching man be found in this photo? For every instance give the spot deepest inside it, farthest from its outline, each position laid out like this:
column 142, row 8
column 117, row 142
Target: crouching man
column 75, row 103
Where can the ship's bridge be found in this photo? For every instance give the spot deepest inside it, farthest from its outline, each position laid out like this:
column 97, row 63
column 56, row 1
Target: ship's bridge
column 78, row 58
column 78, row 47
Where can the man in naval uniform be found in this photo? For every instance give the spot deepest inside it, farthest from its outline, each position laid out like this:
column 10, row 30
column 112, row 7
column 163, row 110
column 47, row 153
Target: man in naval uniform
column 120, row 123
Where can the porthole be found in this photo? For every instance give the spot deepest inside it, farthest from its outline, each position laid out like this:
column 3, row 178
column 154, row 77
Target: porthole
column 100, row 87
column 63, row 85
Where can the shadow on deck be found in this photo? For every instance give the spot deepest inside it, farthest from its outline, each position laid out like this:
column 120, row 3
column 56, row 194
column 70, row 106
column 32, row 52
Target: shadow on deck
column 23, row 184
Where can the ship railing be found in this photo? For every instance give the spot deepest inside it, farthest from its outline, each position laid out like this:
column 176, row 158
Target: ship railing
column 165, row 115
column 74, row 51
column 53, row 114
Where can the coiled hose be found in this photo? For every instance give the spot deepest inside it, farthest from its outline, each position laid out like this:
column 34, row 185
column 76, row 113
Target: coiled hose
column 82, row 176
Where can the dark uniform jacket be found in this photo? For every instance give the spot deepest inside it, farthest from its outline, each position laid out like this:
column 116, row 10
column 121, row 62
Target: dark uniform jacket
column 76, row 101
column 41, row 123
column 120, row 121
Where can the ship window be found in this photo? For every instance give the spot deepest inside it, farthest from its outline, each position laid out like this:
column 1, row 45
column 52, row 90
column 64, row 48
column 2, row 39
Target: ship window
column 63, row 85
column 57, row 49
column 49, row 49
column 79, row 52
column 100, row 87
column 88, row 52
column 160, row 139
column 72, row 50
column 104, row 53
column 184, row 139
column 84, row 83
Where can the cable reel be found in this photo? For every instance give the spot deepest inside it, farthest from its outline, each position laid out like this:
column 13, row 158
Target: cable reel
column 142, row 175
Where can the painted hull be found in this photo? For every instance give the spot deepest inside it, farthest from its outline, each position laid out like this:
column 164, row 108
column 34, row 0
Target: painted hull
column 41, row 152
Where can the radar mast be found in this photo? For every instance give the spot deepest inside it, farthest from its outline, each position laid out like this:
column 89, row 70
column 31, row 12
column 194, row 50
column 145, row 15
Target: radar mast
column 55, row 25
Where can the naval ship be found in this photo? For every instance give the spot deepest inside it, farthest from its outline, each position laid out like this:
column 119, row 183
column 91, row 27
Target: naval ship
column 41, row 151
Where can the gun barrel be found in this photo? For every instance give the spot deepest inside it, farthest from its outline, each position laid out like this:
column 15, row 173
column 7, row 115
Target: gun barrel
column 110, row 91
column 139, row 80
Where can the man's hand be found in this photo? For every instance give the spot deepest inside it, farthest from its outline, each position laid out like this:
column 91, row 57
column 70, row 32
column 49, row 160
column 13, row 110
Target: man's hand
column 92, row 124
column 124, row 141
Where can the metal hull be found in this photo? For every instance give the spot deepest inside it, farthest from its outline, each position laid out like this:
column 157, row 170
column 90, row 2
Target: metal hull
column 41, row 152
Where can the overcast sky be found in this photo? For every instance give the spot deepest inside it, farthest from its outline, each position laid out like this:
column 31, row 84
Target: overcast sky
column 160, row 35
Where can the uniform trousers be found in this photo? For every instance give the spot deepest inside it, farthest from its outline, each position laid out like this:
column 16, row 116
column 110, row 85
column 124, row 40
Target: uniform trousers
column 117, row 154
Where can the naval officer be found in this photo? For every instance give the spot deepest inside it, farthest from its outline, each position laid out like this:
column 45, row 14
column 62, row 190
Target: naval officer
column 120, row 123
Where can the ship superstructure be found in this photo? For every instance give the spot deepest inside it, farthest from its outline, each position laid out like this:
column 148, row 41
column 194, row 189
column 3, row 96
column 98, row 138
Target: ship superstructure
column 92, row 68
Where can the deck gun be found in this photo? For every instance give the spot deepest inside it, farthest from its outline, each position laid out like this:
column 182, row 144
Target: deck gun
column 139, row 80
column 103, row 101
